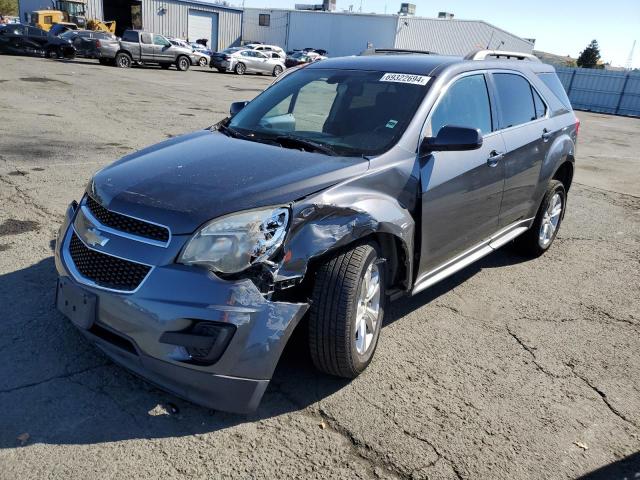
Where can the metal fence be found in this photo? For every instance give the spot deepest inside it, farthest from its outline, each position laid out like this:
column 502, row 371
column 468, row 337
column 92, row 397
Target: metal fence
column 602, row 91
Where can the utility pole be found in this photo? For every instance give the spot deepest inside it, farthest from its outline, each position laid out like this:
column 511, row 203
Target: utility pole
column 629, row 63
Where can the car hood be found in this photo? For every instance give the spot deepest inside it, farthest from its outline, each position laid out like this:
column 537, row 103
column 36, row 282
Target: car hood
column 189, row 180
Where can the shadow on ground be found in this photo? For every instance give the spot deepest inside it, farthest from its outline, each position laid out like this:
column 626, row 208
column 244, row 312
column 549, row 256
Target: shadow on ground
column 58, row 389
column 627, row 468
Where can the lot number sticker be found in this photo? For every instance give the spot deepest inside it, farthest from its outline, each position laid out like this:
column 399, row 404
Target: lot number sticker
column 405, row 78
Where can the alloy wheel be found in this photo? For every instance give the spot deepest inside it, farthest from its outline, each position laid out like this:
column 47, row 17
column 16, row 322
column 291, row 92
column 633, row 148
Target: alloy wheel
column 550, row 220
column 368, row 309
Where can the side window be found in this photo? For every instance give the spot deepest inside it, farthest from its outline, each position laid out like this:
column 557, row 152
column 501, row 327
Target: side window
column 48, row 19
column 145, row 38
column 465, row 104
column 130, row 36
column 516, row 101
column 552, row 81
column 541, row 108
column 160, row 40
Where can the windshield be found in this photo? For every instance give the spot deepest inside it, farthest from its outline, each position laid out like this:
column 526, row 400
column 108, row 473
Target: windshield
column 68, row 35
column 352, row 112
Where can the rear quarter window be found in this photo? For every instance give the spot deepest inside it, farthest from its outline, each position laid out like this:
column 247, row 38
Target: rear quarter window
column 552, row 81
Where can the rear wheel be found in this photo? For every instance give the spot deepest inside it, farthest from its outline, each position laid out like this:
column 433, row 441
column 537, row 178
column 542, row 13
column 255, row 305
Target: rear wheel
column 240, row 68
column 346, row 312
column 202, row 62
column 123, row 60
column 52, row 53
column 537, row 240
column 183, row 64
column 277, row 70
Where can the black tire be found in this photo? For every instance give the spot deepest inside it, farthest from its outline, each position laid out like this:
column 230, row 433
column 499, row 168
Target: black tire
column 52, row 53
column 333, row 314
column 202, row 61
column 531, row 243
column 183, row 64
column 240, row 68
column 123, row 60
column 165, row 66
column 277, row 70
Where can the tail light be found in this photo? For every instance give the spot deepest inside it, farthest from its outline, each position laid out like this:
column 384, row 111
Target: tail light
column 98, row 44
column 577, row 126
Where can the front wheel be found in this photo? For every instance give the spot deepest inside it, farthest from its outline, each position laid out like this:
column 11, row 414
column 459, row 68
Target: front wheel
column 537, row 240
column 277, row 70
column 346, row 312
column 183, row 64
column 202, row 62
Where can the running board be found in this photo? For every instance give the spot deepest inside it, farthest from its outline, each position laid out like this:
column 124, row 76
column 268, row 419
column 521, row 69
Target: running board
column 470, row 256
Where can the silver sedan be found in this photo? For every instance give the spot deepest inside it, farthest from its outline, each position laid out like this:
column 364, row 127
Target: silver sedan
column 245, row 60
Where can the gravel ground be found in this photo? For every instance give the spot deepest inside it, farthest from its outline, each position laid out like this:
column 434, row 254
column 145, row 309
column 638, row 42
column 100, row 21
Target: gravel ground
column 511, row 369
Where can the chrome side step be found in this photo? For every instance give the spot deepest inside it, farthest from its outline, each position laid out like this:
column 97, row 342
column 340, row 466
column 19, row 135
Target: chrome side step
column 471, row 255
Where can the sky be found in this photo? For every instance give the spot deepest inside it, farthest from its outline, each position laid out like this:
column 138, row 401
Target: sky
column 563, row 27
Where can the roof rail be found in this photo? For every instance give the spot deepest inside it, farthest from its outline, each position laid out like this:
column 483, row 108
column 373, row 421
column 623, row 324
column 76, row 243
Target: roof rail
column 395, row 51
column 483, row 54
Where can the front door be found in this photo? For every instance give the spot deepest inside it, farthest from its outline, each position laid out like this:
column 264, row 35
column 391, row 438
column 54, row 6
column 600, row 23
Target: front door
column 162, row 50
column 461, row 191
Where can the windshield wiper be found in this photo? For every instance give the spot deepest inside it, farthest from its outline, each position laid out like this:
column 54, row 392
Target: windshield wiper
column 230, row 132
column 293, row 142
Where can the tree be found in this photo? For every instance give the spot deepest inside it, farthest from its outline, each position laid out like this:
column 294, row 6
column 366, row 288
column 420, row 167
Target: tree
column 9, row 7
column 590, row 56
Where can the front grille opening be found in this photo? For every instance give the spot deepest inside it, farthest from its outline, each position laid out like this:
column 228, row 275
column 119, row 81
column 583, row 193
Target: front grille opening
column 127, row 224
column 113, row 338
column 105, row 270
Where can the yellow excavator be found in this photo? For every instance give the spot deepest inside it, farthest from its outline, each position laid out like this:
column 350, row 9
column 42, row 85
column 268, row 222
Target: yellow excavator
column 71, row 13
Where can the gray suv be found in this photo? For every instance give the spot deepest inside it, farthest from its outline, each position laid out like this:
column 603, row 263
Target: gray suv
column 346, row 184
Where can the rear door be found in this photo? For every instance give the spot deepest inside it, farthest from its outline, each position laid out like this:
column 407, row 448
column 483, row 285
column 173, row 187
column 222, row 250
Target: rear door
column 461, row 191
column 523, row 125
column 147, row 48
column 131, row 43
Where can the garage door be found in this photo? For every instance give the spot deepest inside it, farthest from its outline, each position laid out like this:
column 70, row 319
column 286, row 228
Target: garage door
column 203, row 25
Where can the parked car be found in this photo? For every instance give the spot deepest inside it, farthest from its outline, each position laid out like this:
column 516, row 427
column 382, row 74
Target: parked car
column 144, row 48
column 301, row 57
column 59, row 28
column 348, row 183
column 199, row 57
column 19, row 39
column 83, row 43
column 243, row 60
column 267, row 49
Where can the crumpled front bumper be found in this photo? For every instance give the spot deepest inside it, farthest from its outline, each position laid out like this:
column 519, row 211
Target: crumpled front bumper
column 171, row 299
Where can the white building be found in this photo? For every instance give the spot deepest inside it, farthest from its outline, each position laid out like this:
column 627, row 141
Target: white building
column 350, row 33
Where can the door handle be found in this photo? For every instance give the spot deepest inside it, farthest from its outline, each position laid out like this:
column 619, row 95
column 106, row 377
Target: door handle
column 494, row 158
column 546, row 135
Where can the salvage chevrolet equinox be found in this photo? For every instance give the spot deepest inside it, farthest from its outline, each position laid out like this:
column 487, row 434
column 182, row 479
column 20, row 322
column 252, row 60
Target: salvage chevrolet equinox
column 343, row 185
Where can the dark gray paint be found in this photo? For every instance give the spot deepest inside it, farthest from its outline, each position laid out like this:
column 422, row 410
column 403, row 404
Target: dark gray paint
column 433, row 207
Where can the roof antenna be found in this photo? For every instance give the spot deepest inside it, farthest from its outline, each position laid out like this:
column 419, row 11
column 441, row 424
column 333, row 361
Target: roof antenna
column 490, row 38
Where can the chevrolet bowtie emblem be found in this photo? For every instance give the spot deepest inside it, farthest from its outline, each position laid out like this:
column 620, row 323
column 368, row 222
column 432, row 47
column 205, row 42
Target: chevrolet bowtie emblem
column 94, row 237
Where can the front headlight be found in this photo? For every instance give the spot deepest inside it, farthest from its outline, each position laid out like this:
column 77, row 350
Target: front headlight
column 234, row 242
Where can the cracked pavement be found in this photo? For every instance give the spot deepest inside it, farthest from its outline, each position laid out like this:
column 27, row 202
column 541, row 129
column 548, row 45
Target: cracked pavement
column 511, row 369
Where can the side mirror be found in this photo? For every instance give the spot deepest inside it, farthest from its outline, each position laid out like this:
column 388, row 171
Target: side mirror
column 452, row 138
column 236, row 107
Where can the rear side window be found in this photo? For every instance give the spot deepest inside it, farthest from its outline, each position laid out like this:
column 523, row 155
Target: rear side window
column 146, row 38
column 552, row 81
column 130, row 36
column 541, row 108
column 465, row 104
column 516, row 100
